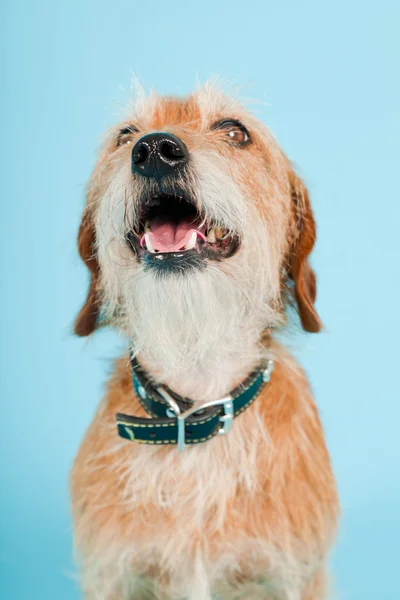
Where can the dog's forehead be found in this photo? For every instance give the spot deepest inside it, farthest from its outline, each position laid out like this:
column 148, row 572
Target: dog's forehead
column 175, row 111
column 195, row 111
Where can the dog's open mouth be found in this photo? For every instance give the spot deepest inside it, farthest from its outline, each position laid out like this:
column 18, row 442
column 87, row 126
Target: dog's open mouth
column 172, row 235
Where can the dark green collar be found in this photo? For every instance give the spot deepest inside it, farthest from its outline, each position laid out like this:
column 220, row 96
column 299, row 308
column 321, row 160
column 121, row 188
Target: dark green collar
column 177, row 420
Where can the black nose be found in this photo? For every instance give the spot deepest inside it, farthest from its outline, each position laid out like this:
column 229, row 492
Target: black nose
column 158, row 154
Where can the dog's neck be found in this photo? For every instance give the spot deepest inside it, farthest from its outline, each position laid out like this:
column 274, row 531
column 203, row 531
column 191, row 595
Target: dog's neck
column 211, row 378
column 200, row 336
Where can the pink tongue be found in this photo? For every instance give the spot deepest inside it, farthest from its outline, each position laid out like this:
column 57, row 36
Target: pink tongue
column 170, row 236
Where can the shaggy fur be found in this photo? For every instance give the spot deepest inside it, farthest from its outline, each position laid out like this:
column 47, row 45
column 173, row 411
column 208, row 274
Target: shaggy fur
column 250, row 515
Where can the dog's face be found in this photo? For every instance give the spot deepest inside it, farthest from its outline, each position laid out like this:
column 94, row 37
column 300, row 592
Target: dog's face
column 195, row 225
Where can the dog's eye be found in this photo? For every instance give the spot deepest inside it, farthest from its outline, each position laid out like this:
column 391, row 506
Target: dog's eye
column 125, row 135
column 235, row 131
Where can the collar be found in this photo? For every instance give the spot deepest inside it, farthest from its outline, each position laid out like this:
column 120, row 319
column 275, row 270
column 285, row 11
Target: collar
column 177, row 420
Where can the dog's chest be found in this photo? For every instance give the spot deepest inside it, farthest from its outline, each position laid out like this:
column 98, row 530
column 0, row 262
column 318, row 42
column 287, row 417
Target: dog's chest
column 192, row 487
column 191, row 511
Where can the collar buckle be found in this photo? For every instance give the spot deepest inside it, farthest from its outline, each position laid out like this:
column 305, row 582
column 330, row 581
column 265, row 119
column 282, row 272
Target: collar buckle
column 226, row 419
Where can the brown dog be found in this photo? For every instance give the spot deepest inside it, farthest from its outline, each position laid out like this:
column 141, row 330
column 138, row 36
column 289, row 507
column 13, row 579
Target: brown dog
column 197, row 234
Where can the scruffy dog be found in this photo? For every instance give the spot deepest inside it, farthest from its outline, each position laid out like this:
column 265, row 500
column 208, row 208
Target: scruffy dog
column 204, row 474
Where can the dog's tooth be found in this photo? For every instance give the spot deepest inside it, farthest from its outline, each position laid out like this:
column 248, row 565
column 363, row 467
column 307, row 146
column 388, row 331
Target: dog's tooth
column 211, row 236
column 219, row 232
column 148, row 243
column 192, row 241
column 147, row 226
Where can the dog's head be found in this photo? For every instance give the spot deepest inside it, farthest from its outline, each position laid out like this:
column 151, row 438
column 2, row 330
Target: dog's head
column 196, row 227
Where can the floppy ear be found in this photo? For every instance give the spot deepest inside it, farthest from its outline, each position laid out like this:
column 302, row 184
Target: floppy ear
column 300, row 271
column 87, row 319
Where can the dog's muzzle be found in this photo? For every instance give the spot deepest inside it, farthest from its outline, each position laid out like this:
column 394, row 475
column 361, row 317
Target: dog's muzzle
column 172, row 235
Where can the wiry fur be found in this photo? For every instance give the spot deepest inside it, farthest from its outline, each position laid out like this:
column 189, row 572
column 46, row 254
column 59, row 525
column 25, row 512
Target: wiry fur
column 250, row 515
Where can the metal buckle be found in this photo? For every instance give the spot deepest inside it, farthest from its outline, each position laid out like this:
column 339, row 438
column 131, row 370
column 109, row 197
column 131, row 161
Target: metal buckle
column 226, row 419
column 226, row 402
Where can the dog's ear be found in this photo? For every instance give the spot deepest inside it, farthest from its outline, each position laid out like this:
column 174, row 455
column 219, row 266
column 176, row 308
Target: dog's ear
column 300, row 271
column 86, row 321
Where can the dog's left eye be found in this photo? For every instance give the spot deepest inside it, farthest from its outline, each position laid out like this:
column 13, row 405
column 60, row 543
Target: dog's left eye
column 235, row 131
column 125, row 135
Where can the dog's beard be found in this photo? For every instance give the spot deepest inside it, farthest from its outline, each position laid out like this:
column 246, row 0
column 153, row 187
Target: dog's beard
column 206, row 323
column 180, row 322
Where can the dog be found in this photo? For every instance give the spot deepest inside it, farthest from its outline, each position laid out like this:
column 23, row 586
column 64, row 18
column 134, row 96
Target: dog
column 204, row 474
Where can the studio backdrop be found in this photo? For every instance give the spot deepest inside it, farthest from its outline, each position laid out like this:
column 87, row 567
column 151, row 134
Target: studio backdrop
column 324, row 78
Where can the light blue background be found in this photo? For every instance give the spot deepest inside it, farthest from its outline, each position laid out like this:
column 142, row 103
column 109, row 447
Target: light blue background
column 328, row 80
